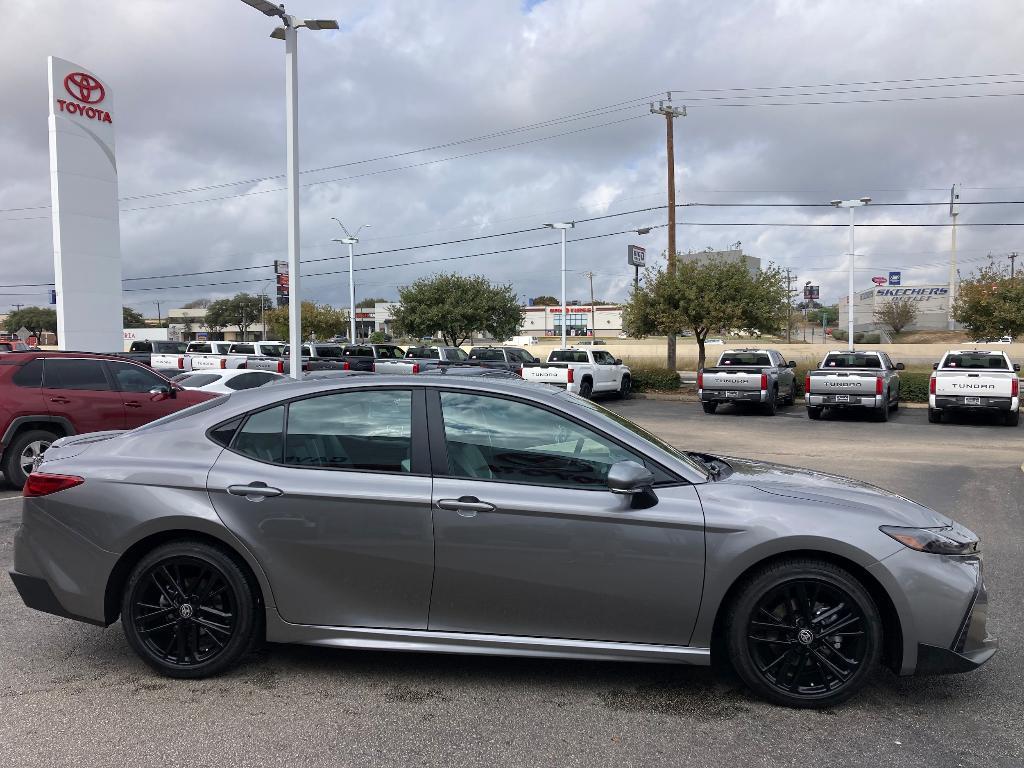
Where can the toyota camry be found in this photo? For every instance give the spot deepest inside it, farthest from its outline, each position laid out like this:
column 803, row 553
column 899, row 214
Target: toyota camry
column 477, row 515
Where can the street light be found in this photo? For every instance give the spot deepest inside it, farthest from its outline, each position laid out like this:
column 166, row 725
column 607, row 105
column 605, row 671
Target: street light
column 562, row 225
column 350, row 240
column 289, row 33
column 851, row 204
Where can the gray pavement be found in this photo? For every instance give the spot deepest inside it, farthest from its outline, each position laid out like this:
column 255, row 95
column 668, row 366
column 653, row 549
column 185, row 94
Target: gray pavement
column 72, row 694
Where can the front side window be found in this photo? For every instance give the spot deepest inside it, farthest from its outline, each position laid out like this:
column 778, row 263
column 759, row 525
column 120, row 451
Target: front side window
column 75, row 374
column 492, row 438
column 458, row 354
column 134, row 378
column 604, row 358
column 364, row 430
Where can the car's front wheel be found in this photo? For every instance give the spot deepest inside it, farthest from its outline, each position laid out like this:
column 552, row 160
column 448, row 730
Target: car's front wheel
column 804, row 633
column 189, row 610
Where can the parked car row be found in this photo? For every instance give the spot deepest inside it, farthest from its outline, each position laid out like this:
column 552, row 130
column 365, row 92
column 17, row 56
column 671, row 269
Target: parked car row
column 867, row 380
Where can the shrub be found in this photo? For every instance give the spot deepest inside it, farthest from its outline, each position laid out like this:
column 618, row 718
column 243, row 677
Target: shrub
column 859, row 337
column 654, row 379
column 914, row 386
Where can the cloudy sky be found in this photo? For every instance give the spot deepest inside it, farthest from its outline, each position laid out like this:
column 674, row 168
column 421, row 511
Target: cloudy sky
column 440, row 120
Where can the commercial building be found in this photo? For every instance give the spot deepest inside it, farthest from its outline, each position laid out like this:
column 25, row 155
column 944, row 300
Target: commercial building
column 732, row 255
column 580, row 320
column 932, row 303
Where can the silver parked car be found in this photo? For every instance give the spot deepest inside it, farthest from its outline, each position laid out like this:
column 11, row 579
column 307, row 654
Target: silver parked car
column 477, row 515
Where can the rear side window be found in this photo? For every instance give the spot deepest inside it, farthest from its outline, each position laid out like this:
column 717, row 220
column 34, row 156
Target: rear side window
column 248, row 380
column 30, row 374
column 222, row 433
column 197, row 380
column 75, row 374
column 262, row 436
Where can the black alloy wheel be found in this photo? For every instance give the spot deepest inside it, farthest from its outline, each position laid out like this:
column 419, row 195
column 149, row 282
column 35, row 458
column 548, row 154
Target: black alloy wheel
column 805, row 634
column 586, row 389
column 710, row 407
column 624, row 387
column 188, row 610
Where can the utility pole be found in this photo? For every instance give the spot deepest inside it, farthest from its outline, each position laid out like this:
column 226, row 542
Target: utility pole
column 593, row 316
column 670, row 114
column 159, row 318
column 954, row 211
column 789, row 308
column 1013, row 258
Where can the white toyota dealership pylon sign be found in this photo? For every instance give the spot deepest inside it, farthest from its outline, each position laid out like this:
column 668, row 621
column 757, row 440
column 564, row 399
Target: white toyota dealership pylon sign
column 83, row 190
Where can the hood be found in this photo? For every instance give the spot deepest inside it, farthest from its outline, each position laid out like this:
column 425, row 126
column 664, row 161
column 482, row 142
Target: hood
column 66, row 447
column 831, row 490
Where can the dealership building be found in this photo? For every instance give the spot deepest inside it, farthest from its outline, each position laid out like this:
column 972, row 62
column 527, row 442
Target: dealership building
column 932, row 306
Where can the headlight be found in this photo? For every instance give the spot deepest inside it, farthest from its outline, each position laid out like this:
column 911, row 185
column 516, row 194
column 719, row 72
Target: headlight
column 949, row 540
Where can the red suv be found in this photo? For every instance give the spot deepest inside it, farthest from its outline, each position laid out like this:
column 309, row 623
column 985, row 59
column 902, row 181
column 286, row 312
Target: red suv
column 46, row 395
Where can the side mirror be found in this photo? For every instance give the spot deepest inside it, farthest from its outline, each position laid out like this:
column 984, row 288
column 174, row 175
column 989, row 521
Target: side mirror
column 1016, row 366
column 629, row 478
column 167, row 390
column 935, row 366
column 618, row 361
column 900, row 366
column 791, row 363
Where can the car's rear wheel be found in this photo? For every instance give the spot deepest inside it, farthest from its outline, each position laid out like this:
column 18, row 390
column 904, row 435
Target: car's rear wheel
column 814, row 413
column 710, row 407
column 804, row 633
column 23, row 450
column 189, row 610
column 934, row 416
column 586, row 389
column 772, row 404
column 1013, row 419
column 883, row 412
column 791, row 397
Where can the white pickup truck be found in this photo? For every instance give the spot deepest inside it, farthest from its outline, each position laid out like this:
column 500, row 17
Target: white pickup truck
column 217, row 355
column 583, row 371
column 975, row 380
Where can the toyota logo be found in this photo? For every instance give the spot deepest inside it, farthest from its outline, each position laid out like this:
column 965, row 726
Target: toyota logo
column 84, row 88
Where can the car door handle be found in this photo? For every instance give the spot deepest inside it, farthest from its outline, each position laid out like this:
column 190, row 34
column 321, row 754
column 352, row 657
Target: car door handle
column 133, row 404
column 466, row 506
column 256, row 491
column 60, row 400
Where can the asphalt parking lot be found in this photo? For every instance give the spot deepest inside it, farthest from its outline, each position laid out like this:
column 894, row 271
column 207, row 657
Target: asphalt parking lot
column 72, row 694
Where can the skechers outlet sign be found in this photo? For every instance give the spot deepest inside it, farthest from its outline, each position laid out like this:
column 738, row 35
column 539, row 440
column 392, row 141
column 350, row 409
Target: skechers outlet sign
column 915, row 294
column 85, row 91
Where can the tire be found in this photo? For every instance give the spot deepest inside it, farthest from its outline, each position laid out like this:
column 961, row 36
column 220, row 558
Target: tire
column 776, row 641
column 934, row 416
column 167, row 632
column 883, row 412
column 814, row 413
column 1013, row 418
column 791, row 399
column 772, row 405
column 23, row 448
column 709, row 407
column 586, row 389
column 624, row 387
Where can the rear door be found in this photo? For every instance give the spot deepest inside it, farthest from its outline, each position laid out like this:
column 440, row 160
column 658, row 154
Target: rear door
column 81, row 391
column 331, row 493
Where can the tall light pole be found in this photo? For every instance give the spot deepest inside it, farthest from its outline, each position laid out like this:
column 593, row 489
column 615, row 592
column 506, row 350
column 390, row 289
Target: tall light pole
column 562, row 226
column 350, row 240
column 954, row 211
column 851, row 204
column 289, row 33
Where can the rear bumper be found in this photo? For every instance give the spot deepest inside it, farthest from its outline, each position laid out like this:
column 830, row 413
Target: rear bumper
column 959, row 403
column 35, row 592
column 855, row 401
column 740, row 396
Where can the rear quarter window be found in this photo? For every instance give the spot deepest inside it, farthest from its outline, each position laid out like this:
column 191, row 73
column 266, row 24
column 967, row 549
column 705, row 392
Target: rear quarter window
column 30, row 374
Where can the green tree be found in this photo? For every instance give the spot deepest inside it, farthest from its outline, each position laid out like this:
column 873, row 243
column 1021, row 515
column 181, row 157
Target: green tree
column 705, row 296
column 991, row 303
column 133, row 318
column 897, row 314
column 243, row 310
column 36, row 319
column 368, row 302
column 319, row 321
column 197, row 304
column 545, row 301
column 456, row 306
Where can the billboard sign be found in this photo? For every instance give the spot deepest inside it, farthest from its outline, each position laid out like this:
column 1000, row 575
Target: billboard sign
column 812, row 292
column 636, row 256
column 83, row 196
column 895, row 277
column 878, row 280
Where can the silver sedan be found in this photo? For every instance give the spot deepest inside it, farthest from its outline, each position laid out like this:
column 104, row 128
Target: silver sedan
column 475, row 515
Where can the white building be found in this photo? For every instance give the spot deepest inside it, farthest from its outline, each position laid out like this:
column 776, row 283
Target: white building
column 932, row 306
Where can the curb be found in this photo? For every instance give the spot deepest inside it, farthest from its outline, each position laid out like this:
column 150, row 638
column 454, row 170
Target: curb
column 692, row 398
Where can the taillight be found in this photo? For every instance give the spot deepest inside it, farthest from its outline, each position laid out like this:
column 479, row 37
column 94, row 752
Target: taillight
column 373, row 367
column 1014, row 386
column 346, row 367
column 415, row 367
column 764, row 381
column 519, row 372
column 700, row 379
column 878, row 385
column 181, row 363
column 223, row 363
column 41, row 484
column 931, row 386
column 280, row 366
column 569, row 379
column 807, row 383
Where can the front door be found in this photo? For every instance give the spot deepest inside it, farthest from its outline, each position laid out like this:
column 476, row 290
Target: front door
column 529, row 541
column 79, row 390
column 333, row 500
column 134, row 382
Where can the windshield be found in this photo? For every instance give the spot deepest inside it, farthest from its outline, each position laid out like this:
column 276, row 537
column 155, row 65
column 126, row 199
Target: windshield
column 603, row 414
column 976, row 360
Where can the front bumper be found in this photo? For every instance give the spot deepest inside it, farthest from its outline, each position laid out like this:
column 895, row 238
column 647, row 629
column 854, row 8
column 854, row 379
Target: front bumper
column 853, row 401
